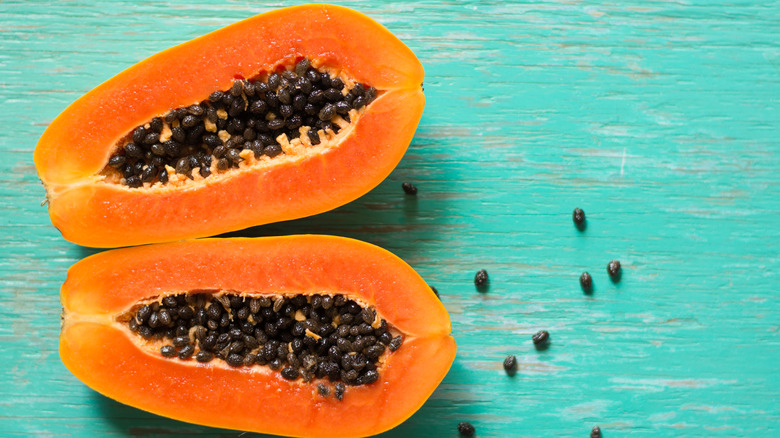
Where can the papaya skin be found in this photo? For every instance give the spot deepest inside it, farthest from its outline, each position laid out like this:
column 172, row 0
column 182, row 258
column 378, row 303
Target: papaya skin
column 106, row 356
column 78, row 143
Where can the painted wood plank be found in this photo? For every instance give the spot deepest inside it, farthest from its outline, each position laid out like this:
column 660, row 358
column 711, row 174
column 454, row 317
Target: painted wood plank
column 660, row 119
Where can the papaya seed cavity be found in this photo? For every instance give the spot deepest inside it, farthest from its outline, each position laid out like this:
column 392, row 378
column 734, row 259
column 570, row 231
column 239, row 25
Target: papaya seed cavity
column 255, row 118
column 303, row 337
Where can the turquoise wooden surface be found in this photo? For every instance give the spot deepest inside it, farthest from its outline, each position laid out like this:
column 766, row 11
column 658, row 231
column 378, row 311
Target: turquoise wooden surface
column 660, row 119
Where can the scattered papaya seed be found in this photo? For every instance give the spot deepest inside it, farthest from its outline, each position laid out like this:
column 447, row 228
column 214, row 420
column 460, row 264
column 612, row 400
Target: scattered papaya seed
column 541, row 339
column 614, row 270
column 466, row 429
column 586, row 282
column 578, row 216
column 510, row 365
column 481, row 280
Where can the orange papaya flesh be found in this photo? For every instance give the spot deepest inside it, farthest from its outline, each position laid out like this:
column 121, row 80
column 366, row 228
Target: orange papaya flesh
column 97, row 346
column 91, row 209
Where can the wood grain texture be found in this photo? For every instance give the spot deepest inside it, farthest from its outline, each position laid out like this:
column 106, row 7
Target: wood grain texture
column 660, row 119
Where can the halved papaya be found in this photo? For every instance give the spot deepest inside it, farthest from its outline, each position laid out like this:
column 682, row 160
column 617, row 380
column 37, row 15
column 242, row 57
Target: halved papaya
column 287, row 114
column 111, row 298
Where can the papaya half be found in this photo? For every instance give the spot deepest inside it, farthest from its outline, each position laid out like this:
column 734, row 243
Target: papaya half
column 283, row 115
column 123, row 310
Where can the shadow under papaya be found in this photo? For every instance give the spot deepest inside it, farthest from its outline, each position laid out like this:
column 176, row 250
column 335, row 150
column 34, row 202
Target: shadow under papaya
column 404, row 225
column 129, row 421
